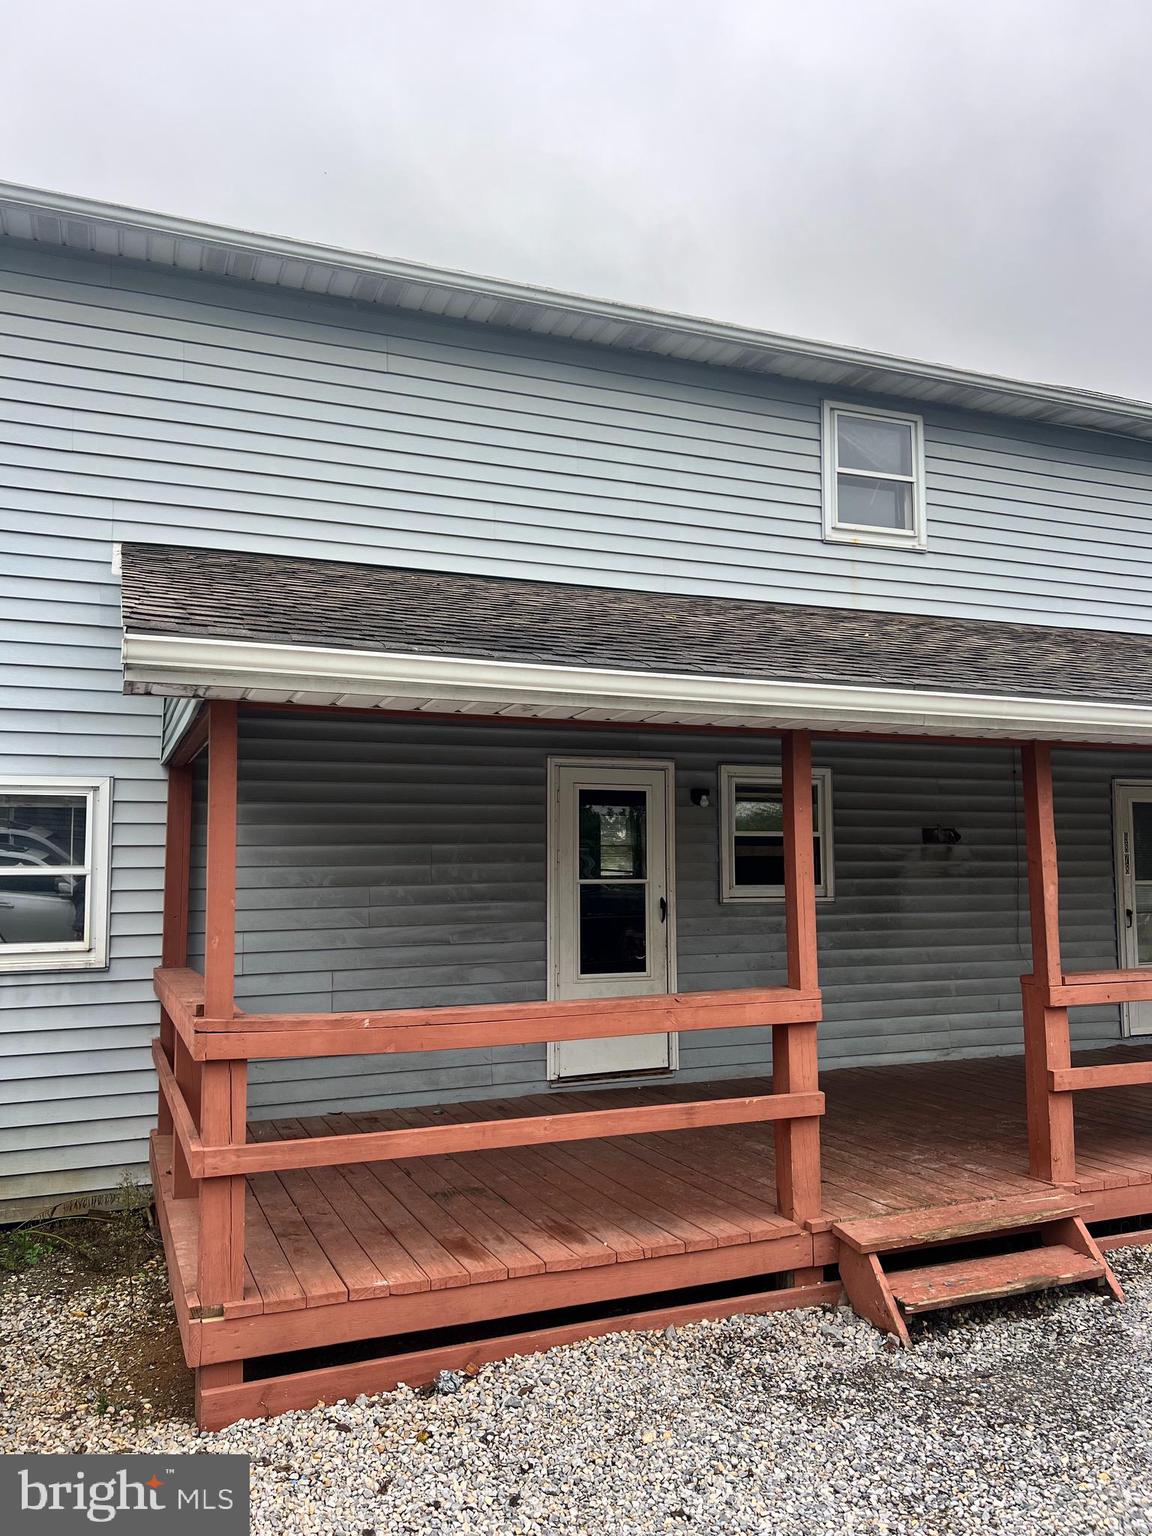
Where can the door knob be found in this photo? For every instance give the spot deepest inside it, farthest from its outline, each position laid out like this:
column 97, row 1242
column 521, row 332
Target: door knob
column 663, row 909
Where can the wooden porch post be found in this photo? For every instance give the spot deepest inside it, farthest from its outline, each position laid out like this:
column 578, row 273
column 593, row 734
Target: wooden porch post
column 220, row 901
column 223, row 1084
column 795, row 1066
column 174, row 933
column 1047, row 1047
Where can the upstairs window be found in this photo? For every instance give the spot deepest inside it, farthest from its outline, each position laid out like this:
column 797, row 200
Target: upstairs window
column 752, row 833
column 873, row 477
column 53, row 874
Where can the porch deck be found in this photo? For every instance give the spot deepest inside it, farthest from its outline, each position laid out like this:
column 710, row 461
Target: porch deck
column 404, row 1246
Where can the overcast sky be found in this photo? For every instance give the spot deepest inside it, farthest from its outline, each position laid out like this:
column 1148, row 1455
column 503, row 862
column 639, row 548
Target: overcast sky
column 964, row 180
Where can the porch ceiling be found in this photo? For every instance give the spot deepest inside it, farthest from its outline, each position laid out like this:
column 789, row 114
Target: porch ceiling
column 275, row 629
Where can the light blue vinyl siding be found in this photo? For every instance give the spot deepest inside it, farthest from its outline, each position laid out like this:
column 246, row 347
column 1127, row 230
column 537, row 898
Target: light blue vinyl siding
column 139, row 404
column 183, row 410
column 177, row 715
column 404, row 864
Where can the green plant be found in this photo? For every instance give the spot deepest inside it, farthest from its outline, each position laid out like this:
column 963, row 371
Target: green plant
column 121, row 1239
column 117, row 1240
column 20, row 1250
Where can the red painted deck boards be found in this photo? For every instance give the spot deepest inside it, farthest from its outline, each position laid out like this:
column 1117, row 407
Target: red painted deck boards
column 896, row 1139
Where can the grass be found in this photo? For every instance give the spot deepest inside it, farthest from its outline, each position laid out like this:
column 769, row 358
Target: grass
column 116, row 1241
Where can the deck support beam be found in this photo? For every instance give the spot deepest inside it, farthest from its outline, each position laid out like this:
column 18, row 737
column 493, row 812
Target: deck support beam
column 1047, row 1043
column 795, row 1063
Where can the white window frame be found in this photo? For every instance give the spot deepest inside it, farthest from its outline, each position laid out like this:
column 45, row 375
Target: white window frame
column 732, row 774
column 91, row 953
column 838, row 532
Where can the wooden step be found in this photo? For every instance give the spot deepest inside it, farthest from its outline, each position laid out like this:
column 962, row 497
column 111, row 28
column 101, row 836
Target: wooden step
column 949, row 1223
column 1003, row 1274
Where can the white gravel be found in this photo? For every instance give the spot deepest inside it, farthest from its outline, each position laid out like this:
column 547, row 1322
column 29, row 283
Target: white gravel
column 1027, row 1419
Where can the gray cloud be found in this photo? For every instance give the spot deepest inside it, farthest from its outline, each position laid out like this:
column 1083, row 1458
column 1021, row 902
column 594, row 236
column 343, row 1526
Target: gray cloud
column 966, row 180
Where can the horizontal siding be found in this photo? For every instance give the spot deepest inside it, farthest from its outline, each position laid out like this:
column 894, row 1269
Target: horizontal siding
column 177, row 714
column 77, row 1091
column 185, row 411
column 395, row 865
column 392, row 864
column 144, row 405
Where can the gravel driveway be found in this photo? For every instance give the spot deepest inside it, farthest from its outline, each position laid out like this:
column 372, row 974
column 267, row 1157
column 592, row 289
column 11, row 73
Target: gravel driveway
column 1034, row 1418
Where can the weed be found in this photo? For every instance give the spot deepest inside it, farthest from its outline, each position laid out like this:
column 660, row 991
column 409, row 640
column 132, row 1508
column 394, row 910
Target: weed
column 20, row 1250
column 116, row 1241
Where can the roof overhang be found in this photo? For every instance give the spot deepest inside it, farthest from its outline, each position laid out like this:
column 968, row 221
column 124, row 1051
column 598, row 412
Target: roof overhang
column 59, row 221
column 184, row 667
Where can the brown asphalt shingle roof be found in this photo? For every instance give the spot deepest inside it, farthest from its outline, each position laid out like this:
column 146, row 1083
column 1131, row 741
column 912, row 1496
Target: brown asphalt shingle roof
column 282, row 600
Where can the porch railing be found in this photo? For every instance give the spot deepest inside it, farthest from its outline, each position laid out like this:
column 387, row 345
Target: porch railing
column 1049, row 992
column 206, row 1043
column 243, row 1038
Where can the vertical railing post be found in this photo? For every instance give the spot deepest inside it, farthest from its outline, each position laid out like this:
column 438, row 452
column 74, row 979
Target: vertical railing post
column 795, row 1064
column 1047, row 1047
column 223, row 1084
column 187, row 1074
column 223, row 1120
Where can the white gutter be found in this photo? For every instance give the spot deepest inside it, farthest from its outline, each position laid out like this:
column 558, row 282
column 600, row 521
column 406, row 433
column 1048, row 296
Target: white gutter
column 184, row 666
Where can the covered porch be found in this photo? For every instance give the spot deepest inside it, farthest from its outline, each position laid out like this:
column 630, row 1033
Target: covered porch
column 444, row 1228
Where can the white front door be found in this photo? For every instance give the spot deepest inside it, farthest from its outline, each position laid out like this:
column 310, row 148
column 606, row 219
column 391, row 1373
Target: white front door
column 609, row 919
column 1133, row 825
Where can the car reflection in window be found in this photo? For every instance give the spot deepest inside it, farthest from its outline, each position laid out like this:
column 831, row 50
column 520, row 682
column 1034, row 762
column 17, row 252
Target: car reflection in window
column 35, row 908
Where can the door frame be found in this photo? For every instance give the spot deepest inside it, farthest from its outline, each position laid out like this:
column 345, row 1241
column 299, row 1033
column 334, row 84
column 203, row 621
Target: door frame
column 649, row 764
column 1122, row 796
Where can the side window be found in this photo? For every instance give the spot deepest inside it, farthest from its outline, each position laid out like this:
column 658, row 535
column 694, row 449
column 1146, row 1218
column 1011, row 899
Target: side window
column 873, row 484
column 54, row 869
column 752, row 833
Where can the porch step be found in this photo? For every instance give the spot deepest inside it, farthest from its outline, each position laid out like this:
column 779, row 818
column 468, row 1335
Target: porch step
column 1062, row 1252
column 1002, row 1274
column 951, row 1223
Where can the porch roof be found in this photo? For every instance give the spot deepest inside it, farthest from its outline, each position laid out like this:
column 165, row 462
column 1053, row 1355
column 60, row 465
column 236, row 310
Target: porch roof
column 220, row 623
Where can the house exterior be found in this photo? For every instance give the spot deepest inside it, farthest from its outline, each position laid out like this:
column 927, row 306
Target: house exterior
column 515, row 626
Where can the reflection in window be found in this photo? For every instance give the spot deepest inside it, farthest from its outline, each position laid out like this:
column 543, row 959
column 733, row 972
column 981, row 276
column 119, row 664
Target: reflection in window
column 862, row 502
column 752, row 832
column 42, row 909
column 1142, row 830
column 43, row 830
column 1142, row 878
column 46, row 872
column 613, row 882
column 873, row 476
column 613, row 929
column 613, row 834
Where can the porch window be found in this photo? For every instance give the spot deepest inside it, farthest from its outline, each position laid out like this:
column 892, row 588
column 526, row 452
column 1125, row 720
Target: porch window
column 53, row 874
column 873, row 476
column 752, row 833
